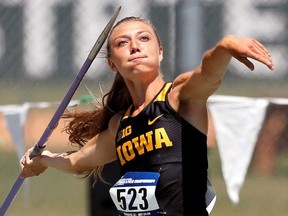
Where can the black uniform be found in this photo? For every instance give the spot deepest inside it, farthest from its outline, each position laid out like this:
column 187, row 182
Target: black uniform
column 158, row 139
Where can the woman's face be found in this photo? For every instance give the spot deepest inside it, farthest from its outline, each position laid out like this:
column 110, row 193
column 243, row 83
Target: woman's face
column 134, row 49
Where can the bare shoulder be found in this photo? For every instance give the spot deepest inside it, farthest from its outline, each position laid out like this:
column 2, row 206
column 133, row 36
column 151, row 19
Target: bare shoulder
column 181, row 79
column 192, row 86
column 188, row 101
column 174, row 96
column 180, row 85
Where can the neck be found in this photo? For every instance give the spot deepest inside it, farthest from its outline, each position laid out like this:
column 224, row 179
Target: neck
column 143, row 92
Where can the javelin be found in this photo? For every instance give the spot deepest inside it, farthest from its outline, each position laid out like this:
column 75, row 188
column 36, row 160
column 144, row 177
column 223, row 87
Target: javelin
column 41, row 144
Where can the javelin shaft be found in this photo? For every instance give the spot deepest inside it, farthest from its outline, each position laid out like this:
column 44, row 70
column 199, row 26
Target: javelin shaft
column 39, row 147
column 11, row 195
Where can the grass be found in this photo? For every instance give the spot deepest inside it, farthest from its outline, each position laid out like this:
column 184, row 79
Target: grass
column 56, row 193
column 259, row 196
column 54, row 90
column 265, row 196
column 52, row 193
column 51, row 91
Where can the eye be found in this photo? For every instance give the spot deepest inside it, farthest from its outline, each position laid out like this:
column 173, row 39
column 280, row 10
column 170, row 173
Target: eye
column 144, row 38
column 121, row 43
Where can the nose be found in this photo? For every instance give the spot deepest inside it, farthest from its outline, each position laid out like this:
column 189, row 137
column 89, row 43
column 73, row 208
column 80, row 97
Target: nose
column 134, row 47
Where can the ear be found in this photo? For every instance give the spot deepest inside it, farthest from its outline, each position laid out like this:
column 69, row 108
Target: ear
column 112, row 65
column 160, row 53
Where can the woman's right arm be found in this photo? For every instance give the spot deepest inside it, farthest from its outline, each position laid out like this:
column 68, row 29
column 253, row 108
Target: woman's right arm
column 98, row 151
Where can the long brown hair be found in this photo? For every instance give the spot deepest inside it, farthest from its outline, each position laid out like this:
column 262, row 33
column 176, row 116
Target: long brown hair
column 84, row 125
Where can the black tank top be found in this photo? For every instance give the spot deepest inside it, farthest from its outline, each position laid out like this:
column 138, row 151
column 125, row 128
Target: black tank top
column 158, row 139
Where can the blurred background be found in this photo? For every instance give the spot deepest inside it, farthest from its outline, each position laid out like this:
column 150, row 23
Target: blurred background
column 43, row 44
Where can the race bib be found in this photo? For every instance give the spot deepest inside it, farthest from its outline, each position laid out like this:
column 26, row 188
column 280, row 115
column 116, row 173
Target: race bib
column 210, row 196
column 134, row 194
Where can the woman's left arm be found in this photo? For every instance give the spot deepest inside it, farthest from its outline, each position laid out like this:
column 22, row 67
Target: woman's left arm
column 206, row 79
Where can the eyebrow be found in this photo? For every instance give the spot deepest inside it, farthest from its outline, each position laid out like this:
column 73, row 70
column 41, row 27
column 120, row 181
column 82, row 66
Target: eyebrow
column 127, row 36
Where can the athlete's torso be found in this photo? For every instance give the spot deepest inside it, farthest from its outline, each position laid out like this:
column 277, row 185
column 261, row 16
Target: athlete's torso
column 159, row 140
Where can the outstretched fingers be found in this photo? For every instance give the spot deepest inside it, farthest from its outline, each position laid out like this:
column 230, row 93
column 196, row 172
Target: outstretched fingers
column 261, row 54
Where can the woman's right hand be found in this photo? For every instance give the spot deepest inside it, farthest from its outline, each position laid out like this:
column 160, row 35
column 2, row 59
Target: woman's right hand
column 34, row 166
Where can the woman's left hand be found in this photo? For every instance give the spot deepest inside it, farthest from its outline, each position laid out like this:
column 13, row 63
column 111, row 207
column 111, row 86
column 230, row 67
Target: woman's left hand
column 244, row 48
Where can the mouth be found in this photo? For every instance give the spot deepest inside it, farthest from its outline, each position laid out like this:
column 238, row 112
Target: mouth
column 136, row 58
